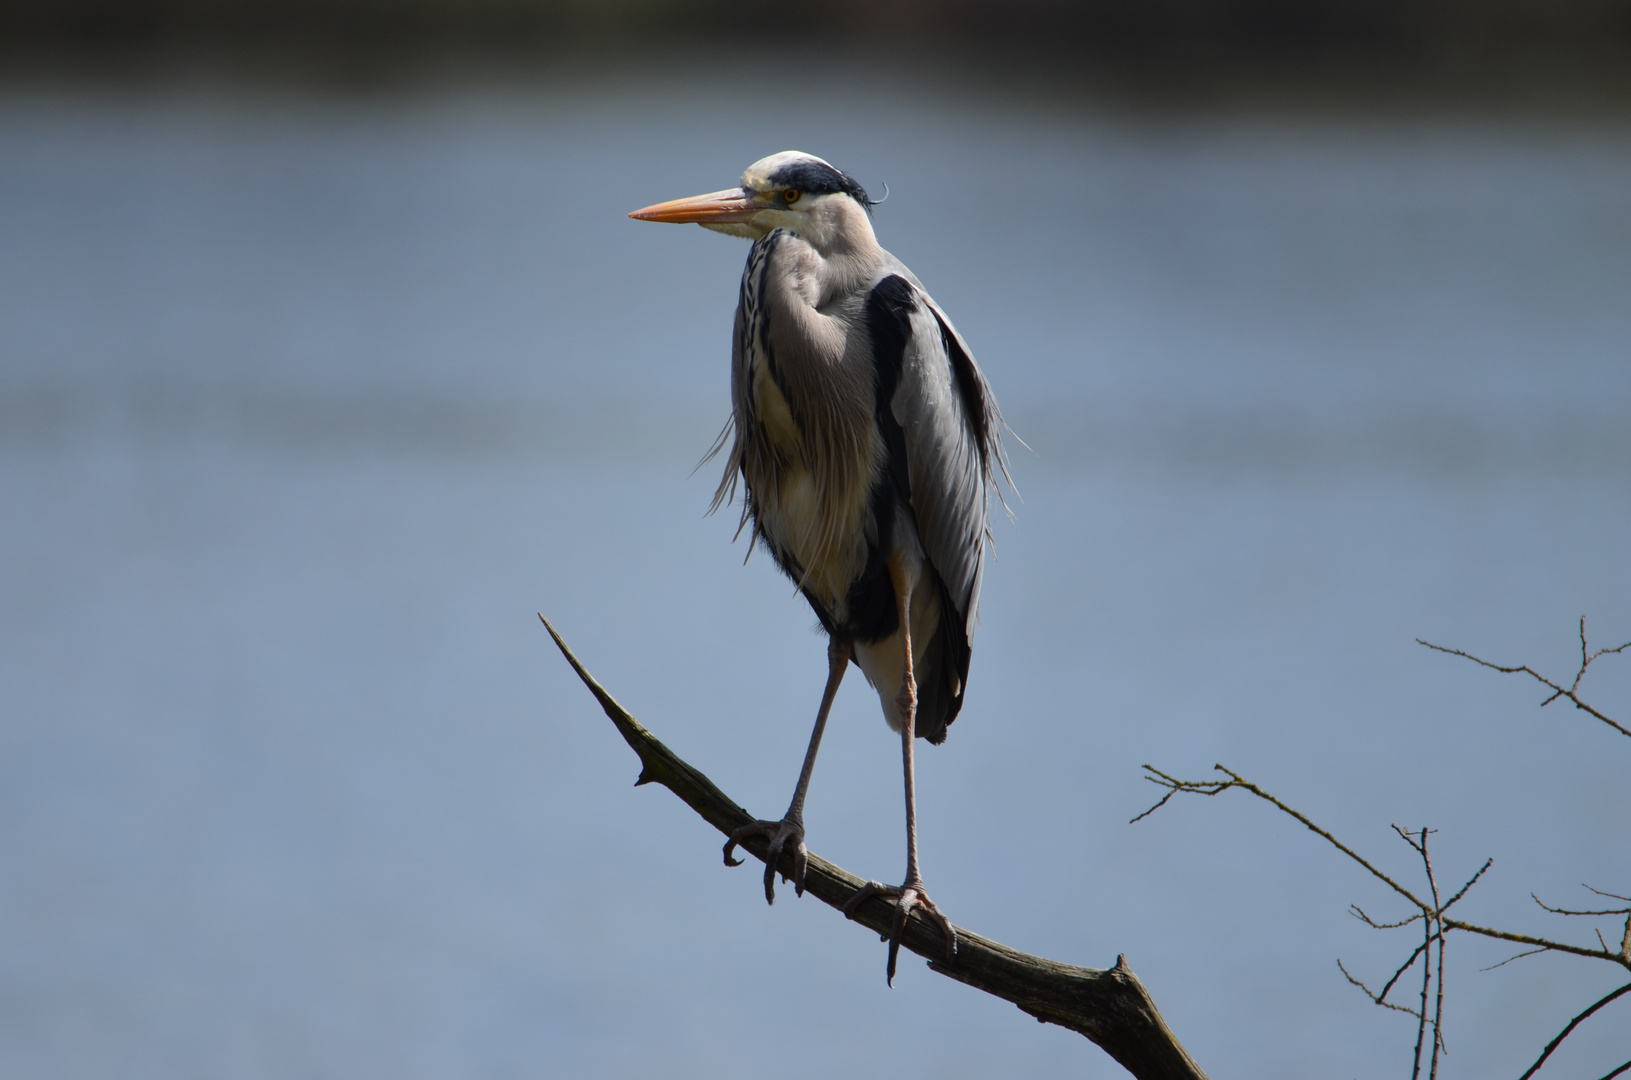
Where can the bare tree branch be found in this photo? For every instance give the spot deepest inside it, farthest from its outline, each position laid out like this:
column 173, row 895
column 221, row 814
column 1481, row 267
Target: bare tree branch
column 1543, row 943
column 1359, row 913
column 1435, row 925
column 1519, row 956
column 1214, row 787
column 1470, row 883
column 1378, row 998
column 1557, row 691
column 1564, row 1034
column 1437, row 972
column 1404, row 967
column 1111, row 1008
column 1566, row 911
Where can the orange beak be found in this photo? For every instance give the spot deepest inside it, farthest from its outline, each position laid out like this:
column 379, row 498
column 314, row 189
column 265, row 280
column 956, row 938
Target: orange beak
column 733, row 204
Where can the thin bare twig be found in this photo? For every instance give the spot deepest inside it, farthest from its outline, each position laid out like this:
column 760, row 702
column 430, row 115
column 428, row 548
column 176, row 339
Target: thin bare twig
column 1544, row 943
column 1214, row 787
column 1553, row 1045
column 1436, row 925
column 1406, row 966
column 1509, row 959
column 1174, row 786
column 1438, row 916
column 1378, row 997
column 1432, row 933
column 1558, row 691
column 1359, row 913
column 1470, row 883
column 1566, row 911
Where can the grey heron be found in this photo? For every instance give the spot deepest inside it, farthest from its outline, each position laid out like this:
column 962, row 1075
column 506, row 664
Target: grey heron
column 868, row 443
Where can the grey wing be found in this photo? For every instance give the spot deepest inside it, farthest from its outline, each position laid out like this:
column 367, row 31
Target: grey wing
column 950, row 425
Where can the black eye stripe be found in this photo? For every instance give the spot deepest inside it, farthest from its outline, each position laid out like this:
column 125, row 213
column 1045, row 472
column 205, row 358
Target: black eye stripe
column 818, row 178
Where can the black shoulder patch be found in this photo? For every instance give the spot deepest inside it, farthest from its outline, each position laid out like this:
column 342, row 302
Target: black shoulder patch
column 889, row 310
column 819, row 178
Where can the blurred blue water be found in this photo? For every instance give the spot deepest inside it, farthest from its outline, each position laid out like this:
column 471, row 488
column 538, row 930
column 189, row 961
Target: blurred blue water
column 308, row 402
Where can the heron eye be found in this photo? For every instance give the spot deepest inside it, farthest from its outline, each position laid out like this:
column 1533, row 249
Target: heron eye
column 791, row 195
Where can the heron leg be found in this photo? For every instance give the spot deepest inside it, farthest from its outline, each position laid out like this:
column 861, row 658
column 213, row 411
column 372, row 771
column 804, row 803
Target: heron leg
column 910, row 895
column 791, row 827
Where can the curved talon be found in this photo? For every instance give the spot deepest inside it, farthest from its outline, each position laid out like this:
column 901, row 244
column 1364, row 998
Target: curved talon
column 765, row 829
column 801, row 867
column 903, row 908
column 777, row 832
column 730, row 845
column 906, row 897
column 770, row 874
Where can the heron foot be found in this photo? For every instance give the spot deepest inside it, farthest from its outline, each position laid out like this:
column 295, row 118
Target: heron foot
column 908, row 897
column 779, row 833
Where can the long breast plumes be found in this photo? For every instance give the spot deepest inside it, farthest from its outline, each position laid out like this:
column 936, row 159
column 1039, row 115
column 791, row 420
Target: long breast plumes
column 805, row 441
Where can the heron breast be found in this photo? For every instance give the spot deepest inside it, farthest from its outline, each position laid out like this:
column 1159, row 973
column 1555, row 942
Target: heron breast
column 810, row 495
column 824, row 543
column 774, row 415
column 815, row 522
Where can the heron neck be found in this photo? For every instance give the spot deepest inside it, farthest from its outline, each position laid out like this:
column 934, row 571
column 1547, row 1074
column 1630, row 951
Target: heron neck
column 841, row 231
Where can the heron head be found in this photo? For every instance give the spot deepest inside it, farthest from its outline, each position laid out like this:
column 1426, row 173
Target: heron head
column 791, row 190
